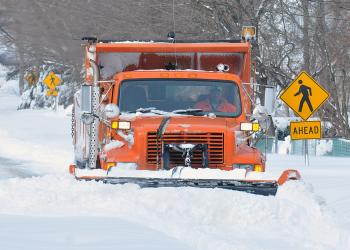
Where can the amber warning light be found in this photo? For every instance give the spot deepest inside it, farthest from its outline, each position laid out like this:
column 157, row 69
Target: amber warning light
column 249, row 126
column 248, row 33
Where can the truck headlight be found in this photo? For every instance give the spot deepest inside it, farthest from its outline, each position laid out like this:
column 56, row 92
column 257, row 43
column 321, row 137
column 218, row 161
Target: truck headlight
column 249, row 126
column 123, row 125
column 248, row 167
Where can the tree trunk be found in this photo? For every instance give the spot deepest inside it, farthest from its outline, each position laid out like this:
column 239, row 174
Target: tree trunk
column 339, row 122
column 20, row 69
column 306, row 38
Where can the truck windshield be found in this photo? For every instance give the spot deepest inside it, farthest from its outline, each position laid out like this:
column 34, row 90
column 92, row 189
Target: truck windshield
column 172, row 95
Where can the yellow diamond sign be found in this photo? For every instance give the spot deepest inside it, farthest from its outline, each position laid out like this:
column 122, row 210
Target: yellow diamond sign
column 52, row 92
column 52, row 80
column 304, row 95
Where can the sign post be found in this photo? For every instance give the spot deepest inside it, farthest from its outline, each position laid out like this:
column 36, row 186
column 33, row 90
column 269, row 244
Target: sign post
column 304, row 96
column 51, row 81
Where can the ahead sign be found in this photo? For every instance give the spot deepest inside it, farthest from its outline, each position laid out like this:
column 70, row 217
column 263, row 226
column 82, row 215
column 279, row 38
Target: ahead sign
column 305, row 130
column 304, row 95
column 52, row 92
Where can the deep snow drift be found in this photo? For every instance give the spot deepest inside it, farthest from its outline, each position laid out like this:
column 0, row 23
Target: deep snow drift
column 52, row 211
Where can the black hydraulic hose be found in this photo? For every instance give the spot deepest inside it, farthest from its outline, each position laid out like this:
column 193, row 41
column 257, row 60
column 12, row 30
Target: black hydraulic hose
column 160, row 132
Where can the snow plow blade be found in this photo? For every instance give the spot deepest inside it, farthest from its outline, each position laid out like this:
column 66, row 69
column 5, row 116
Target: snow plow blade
column 262, row 188
column 259, row 187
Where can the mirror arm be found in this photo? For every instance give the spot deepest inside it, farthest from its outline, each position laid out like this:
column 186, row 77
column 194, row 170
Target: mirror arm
column 246, row 92
column 264, row 132
column 106, row 122
column 96, row 72
column 104, row 96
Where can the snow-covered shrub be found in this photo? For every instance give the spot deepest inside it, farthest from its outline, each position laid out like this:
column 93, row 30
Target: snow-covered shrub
column 34, row 97
column 285, row 147
column 282, row 126
column 323, row 147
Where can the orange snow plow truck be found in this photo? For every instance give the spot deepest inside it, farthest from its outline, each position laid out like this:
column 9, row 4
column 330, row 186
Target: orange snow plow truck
column 169, row 114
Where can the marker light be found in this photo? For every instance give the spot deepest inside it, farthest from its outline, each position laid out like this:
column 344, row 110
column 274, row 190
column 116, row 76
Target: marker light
column 256, row 127
column 121, row 125
column 110, row 165
column 258, row 168
column 114, row 125
column 249, row 126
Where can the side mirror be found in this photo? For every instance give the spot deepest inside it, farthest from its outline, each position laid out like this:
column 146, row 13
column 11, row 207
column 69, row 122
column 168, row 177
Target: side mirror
column 86, row 99
column 111, row 111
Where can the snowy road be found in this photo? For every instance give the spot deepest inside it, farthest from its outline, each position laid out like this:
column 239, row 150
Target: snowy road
column 88, row 233
column 10, row 169
column 53, row 211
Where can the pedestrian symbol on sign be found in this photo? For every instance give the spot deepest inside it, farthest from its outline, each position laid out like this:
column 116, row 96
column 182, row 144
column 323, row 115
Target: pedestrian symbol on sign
column 304, row 90
column 52, row 78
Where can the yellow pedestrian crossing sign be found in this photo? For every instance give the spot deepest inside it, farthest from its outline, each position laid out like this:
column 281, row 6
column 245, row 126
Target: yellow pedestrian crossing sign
column 304, row 95
column 52, row 80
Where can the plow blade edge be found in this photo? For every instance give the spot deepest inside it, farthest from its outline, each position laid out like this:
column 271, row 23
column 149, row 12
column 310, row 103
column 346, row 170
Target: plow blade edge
column 254, row 187
column 259, row 187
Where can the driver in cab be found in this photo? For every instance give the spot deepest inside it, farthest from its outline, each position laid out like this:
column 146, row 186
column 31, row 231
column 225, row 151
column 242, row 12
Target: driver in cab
column 215, row 102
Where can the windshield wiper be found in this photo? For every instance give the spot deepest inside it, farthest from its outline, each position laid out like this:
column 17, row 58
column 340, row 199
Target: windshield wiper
column 198, row 112
column 149, row 110
column 195, row 112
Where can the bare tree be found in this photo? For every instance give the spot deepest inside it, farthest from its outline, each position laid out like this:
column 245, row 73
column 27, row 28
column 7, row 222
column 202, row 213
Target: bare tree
column 292, row 35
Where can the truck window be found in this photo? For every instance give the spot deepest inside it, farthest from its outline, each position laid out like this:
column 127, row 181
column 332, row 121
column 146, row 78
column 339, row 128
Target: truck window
column 112, row 63
column 219, row 97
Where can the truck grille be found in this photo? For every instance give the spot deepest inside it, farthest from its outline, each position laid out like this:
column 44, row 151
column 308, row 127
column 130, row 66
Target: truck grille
column 215, row 142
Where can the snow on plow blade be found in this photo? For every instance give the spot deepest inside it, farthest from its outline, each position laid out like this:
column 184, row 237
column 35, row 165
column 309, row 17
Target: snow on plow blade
column 262, row 188
column 259, row 187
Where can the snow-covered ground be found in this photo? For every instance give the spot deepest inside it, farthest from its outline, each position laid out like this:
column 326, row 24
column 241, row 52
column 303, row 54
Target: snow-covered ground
column 42, row 207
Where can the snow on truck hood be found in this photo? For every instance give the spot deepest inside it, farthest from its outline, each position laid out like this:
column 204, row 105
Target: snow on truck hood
column 178, row 123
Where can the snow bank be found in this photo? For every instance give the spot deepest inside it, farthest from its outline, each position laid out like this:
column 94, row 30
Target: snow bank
column 201, row 218
column 71, row 233
column 38, row 136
